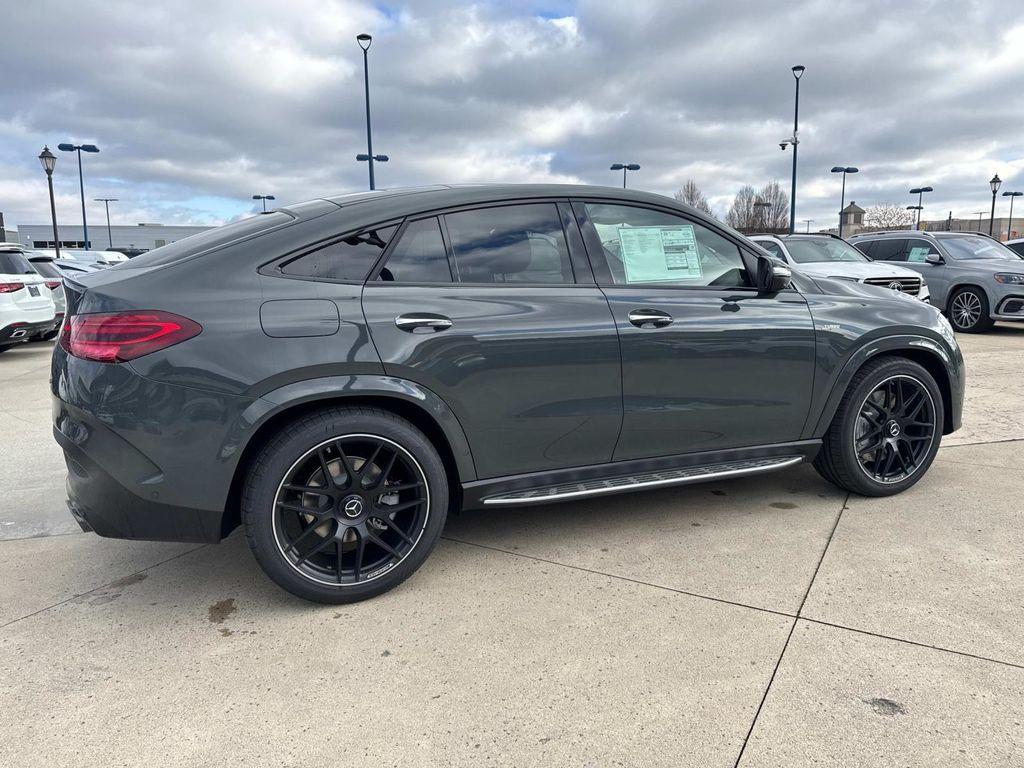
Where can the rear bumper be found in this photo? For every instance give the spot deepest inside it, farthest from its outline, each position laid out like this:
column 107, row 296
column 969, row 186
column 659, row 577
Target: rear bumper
column 18, row 332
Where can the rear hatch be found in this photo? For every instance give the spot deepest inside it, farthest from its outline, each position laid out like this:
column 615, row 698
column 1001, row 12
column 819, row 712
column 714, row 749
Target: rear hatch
column 33, row 295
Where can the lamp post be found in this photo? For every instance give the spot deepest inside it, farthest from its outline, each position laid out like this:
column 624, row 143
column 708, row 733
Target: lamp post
column 919, row 191
column 917, row 214
column 106, row 204
column 264, row 198
column 798, row 72
column 624, row 167
column 979, row 214
column 808, row 222
column 80, row 148
column 842, row 199
column 48, row 160
column 364, row 41
column 994, row 183
column 759, row 216
column 1009, row 224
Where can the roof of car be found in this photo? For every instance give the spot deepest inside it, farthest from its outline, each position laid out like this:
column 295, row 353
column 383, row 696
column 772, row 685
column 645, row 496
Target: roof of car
column 913, row 233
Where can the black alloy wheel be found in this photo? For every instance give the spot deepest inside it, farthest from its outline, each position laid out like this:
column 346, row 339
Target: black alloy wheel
column 895, row 429
column 345, row 503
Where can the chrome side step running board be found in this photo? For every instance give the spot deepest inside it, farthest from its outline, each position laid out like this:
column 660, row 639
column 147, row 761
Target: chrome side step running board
column 644, row 480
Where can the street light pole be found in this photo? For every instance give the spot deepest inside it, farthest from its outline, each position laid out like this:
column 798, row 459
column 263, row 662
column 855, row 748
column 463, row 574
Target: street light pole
column 842, row 200
column 624, row 167
column 264, row 198
column 106, row 204
column 994, row 184
column 919, row 191
column 797, row 72
column 80, row 148
column 808, row 222
column 1009, row 224
column 48, row 160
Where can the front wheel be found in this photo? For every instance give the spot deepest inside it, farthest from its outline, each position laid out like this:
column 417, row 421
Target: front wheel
column 969, row 311
column 886, row 431
column 344, row 504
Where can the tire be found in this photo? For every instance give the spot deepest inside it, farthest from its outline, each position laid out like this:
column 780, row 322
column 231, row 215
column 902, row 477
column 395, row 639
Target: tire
column 334, row 562
column 839, row 462
column 968, row 311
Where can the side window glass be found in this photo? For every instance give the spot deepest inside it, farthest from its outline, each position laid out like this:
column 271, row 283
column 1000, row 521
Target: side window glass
column 773, row 249
column 419, row 256
column 347, row 259
column 889, row 250
column 509, row 244
column 918, row 250
column 865, row 247
column 645, row 246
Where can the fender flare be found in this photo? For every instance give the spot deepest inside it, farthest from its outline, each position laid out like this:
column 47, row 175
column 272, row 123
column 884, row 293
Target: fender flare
column 335, row 388
column 866, row 352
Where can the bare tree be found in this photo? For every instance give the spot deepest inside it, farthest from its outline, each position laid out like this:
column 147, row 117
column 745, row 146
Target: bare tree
column 742, row 213
column 888, row 216
column 691, row 195
column 775, row 218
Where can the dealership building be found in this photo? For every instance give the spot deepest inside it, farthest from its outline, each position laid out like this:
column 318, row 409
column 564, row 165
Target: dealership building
column 141, row 237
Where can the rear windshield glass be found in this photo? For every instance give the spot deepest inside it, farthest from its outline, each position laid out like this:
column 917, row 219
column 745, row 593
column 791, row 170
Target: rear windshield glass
column 14, row 263
column 180, row 249
column 46, row 269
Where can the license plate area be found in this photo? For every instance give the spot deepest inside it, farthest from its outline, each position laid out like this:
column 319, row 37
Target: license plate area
column 33, row 291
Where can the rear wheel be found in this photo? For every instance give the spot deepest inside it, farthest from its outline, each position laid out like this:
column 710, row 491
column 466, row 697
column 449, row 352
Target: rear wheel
column 969, row 311
column 345, row 504
column 886, row 431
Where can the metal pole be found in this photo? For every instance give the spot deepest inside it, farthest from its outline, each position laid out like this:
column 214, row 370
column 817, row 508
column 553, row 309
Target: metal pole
column 992, row 217
column 623, row 177
column 842, row 204
column 1009, row 224
column 792, row 192
column 369, row 139
column 110, row 237
column 264, row 200
column 53, row 216
column 81, row 190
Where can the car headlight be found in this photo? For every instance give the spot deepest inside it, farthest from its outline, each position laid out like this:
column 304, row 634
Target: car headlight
column 1010, row 278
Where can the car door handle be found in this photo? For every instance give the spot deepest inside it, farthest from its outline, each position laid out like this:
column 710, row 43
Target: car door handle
column 650, row 318
column 423, row 322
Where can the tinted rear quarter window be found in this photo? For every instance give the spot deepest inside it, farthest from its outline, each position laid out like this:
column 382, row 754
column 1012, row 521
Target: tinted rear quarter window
column 350, row 258
column 510, row 244
column 419, row 256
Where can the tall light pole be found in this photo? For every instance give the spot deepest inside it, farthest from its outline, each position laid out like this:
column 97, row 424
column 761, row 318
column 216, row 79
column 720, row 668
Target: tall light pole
column 48, row 160
column 808, row 222
column 917, row 215
column 1009, row 224
column 798, row 71
column 842, row 199
column 919, row 191
column 624, row 167
column 80, row 148
column 106, row 204
column 264, row 198
column 994, row 183
column 759, row 217
column 979, row 214
column 364, row 41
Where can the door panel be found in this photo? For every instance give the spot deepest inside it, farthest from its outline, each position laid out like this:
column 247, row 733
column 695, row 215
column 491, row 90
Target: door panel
column 732, row 369
column 532, row 373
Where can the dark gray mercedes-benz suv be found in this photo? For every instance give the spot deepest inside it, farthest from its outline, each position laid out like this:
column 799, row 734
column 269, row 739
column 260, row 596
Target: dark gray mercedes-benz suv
column 337, row 375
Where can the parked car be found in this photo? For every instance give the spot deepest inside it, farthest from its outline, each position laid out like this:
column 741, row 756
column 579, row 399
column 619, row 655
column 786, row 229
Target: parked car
column 973, row 278
column 99, row 259
column 335, row 376
column 831, row 256
column 66, row 266
column 1017, row 246
column 55, row 282
column 26, row 303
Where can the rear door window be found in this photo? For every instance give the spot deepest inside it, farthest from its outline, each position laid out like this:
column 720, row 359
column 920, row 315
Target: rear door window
column 889, row 250
column 509, row 244
column 419, row 256
column 349, row 259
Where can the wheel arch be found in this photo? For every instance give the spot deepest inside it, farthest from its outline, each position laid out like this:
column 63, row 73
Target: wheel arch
column 421, row 407
column 966, row 282
column 926, row 352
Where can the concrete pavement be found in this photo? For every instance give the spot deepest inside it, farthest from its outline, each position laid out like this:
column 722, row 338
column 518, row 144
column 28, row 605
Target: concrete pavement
column 765, row 621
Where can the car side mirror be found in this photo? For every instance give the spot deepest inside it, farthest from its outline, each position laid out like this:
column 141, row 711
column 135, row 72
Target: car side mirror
column 934, row 258
column 773, row 276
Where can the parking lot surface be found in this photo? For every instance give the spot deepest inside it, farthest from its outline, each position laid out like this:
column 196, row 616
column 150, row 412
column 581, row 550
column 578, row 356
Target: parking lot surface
column 765, row 621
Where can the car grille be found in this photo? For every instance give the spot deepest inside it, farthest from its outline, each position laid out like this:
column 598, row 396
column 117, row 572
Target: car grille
column 908, row 285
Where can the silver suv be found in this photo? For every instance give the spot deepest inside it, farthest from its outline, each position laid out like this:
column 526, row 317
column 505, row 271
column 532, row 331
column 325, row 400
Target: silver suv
column 974, row 279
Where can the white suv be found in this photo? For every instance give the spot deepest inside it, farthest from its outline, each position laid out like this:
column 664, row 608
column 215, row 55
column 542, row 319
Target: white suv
column 26, row 305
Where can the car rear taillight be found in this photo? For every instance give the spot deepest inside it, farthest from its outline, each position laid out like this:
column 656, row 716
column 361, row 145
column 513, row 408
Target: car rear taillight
column 11, row 287
column 117, row 337
column 53, row 285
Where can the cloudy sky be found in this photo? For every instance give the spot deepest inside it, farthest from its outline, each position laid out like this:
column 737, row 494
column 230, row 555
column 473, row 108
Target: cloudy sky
column 197, row 106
